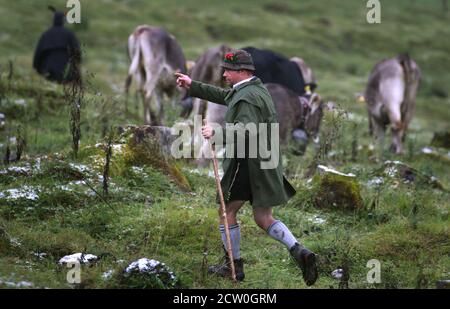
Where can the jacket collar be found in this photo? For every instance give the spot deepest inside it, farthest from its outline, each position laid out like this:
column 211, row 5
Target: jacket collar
column 243, row 81
column 252, row 81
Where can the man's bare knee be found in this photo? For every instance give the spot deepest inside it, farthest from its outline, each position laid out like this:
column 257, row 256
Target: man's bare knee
column 263, row 217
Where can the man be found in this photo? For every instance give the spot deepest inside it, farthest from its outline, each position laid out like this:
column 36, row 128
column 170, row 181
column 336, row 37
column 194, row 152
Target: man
column 244, row 180
column 58, row 52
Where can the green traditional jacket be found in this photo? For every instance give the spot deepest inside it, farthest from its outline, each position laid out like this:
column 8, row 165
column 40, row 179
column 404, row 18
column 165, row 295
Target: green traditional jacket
column 249, row 102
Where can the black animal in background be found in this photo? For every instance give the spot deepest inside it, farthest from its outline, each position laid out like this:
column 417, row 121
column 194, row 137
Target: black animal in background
column 58, row 54
column 272, row 67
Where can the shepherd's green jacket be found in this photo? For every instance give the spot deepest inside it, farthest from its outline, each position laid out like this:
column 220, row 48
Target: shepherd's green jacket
column 249, row 102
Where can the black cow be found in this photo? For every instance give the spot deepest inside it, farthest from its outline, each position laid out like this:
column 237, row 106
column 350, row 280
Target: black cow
column 275, row 68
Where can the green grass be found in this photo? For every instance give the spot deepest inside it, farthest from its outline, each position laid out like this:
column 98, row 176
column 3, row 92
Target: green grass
column 148, row 215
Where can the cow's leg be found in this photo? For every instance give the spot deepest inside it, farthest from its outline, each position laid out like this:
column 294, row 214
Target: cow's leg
column 379, row 134
column 371, row 132
column 202, row 161
column 149, row 115
column 396, row 130
column 147, row 112
column 139, row 95
column 140, row 92
column 159, row 115
column 397, row 138
column 127, row 90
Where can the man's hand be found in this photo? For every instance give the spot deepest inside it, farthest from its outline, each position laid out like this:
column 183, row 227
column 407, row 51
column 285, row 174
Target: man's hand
column 207, row 131
column 183, row 81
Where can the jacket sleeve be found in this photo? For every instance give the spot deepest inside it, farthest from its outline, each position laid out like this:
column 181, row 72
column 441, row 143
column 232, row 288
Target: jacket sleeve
column 208, row 92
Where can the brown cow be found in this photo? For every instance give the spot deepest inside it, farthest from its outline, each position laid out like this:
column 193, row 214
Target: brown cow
column 207, row 70
column 391, row 98
column 296, row 112
column 155, row 56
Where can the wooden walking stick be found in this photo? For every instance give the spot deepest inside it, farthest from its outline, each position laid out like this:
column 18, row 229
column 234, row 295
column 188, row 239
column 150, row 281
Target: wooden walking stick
column 223, row 210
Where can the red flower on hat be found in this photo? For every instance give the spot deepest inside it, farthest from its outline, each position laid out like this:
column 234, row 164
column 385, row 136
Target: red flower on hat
column 230, row 57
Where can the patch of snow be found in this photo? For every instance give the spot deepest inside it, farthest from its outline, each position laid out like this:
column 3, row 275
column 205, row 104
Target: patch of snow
column 25, row 192
column 90, row 192
column 78, row 258
column 116, row 88
column 355, row 117
column 317, row 220
column 24, row 284
column 393, row 162
column 337, row 273
column 138, row 169
column 152, row 266
column 79, row 167
column 19, row 169
column 211, row 173
column 427, row 150
column 143, row 265
column 391, row 171
column 195, row 171
column 21, row 284
column 20, row 102
column 108, row 274
column 15, row 242
column 40, row 255
column 377, row 181
column 118, row 147
column 330, row 170
column 37, row 164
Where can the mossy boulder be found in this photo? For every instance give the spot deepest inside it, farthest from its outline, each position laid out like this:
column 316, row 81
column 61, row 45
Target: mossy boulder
column 439, row 154
column 441, row 139
column 397, row 170
column 150, row 145
column 336, row 190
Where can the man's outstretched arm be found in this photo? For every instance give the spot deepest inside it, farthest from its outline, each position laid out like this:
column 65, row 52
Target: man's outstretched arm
column 201, row 90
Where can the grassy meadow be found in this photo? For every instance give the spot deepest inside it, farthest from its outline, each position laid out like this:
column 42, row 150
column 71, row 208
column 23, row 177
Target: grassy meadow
column 61, row 210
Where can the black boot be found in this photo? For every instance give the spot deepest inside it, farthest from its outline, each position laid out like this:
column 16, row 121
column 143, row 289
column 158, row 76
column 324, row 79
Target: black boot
column 224, row 269
column 306, row 260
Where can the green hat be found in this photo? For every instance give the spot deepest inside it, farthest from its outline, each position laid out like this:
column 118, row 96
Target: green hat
column 238, row 60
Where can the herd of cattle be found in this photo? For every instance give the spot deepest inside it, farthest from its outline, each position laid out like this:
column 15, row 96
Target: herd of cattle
column 155, row 56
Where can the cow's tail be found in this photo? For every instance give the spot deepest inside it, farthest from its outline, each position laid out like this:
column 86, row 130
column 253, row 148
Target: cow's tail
column 134, row 53
column 405, row 62
column 412, row 80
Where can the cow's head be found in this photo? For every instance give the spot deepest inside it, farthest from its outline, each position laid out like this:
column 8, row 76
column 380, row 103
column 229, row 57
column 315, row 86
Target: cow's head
column 206, row 69
column 312, row 113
